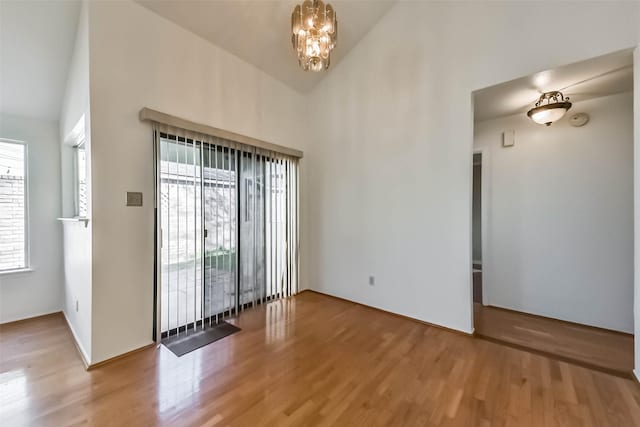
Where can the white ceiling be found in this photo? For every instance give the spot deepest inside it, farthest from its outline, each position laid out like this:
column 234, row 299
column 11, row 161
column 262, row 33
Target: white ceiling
column 601, row 76
column 258, row 31
column 36, row 44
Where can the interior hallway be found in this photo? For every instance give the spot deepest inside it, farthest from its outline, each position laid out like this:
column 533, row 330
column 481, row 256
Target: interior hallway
column 312, row 360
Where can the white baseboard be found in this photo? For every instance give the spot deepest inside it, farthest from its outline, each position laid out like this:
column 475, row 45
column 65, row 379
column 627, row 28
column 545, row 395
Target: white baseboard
column 83, row 353
column 636, row 373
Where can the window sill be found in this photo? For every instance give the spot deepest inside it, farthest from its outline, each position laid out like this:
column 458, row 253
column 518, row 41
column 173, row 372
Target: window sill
column 16, row 271
column 75, row 219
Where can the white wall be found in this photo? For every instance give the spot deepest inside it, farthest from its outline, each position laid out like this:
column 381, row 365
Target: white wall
column 37, row 292
column 77, row 237
column 560, row 239
column 392, row 153
column 139, row 59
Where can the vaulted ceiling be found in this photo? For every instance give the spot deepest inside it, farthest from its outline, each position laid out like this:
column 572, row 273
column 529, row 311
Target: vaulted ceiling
column 36, row 44
column 37, row 39
column 258, row 31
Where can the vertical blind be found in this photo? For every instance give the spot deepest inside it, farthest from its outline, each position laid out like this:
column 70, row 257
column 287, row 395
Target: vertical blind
column 227, row 216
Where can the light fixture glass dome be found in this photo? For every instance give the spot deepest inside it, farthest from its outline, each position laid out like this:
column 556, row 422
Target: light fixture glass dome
column 550, row 107
column 314, row 32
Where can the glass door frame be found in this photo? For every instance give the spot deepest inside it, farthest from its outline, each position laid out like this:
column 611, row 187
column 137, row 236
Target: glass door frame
column 269, row 165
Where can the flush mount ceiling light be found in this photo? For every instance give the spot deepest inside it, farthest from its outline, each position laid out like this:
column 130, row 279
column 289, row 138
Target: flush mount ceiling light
column 550, row 107
column 314, row 32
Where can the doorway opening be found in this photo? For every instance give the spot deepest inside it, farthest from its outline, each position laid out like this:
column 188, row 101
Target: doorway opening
column 477, row 228
column 552, row 219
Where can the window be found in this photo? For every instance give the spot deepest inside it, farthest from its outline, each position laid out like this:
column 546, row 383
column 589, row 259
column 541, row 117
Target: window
column 13, row 206
column 81, row 180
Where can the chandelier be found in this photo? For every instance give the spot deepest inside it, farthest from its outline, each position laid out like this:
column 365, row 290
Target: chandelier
column 314, row 29
column 551, row 106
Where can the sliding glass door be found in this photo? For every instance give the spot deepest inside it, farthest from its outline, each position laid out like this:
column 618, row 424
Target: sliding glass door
column 180, row 213
column 220, row 238
column 227, row 218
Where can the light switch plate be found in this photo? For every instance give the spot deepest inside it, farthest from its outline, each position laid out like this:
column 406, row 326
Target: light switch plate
column 134, row 198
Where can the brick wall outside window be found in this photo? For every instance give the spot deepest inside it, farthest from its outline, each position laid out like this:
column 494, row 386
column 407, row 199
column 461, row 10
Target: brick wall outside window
column 12, row 239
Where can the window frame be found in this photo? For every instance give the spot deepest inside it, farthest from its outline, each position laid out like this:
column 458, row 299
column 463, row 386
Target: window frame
column 76, row 176
column 27, row 234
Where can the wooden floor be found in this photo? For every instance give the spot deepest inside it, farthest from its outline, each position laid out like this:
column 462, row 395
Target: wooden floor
column 597, row 348
column 310, row 360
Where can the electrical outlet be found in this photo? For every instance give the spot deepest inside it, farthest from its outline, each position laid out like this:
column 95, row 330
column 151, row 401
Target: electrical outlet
column 372, row 280
column 77, row 305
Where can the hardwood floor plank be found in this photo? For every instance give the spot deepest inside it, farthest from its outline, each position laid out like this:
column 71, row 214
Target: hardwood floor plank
column 610, row 351
column 309, row 360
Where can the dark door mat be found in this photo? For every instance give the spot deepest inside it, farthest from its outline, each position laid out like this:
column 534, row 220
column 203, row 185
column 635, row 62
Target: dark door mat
column 192, row 340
